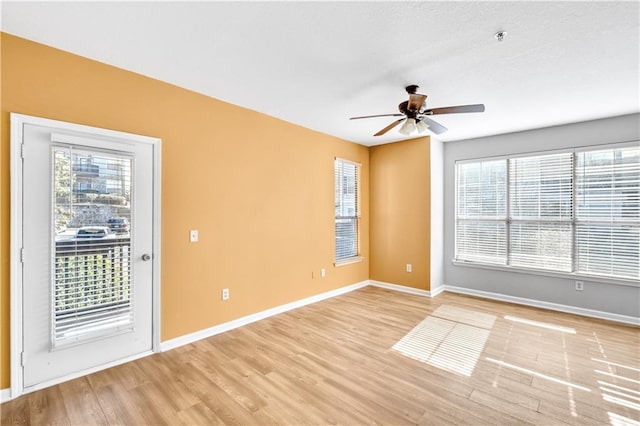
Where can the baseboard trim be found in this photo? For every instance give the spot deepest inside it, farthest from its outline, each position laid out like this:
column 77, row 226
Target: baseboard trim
column 227, row 326
column 545, row 305
column 401, row 288
column 5, row 395
column 436, row 291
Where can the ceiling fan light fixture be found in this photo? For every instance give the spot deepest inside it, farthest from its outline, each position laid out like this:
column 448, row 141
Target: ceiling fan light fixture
column 408, row 127
column 415, row 114
column 422, row 126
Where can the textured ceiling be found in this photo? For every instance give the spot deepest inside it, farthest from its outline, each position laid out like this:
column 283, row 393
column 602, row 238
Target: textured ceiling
column 318, row 63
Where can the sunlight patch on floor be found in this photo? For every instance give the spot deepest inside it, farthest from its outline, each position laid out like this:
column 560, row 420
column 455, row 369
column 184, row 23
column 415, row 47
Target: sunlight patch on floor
column 616, row 376
column 615, row 364
column 541, row 324
column 450, row 339
column 465, row 316
column 622, row 388
column 535, row 373
column 618, row 420
column 620, row 401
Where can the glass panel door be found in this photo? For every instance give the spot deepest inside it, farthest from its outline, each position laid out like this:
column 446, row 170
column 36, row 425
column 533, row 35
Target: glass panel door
column 92, row 291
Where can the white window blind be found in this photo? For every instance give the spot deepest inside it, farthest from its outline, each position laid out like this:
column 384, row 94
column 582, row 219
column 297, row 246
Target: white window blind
column 92, row 280
column 540, row 211
column 347, row 213
column 608, row 212
column 574, row 212
column 481, row 231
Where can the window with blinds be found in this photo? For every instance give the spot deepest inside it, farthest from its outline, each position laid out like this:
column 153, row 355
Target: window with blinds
column 92, row 280
column 540, row 211
column 347, row 210
column 608, row 212
column 481, row 211
column 574, row 212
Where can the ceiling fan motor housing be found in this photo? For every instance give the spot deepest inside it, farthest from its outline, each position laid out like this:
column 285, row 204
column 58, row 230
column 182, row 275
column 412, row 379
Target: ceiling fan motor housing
column 404, row 108
column 411, row 89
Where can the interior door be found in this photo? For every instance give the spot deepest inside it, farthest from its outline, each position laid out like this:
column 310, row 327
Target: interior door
column 88, row 238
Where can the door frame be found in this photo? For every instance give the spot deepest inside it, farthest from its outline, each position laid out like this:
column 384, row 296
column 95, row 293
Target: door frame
column 18, row 121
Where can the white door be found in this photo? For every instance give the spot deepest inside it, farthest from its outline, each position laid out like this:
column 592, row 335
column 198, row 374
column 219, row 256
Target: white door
column 87, row 286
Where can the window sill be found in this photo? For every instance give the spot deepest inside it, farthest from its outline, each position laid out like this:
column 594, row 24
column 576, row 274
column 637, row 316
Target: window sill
column 567, row 275
column 348, row 261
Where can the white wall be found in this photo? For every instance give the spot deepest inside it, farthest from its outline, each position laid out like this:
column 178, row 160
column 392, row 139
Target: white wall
column 437, row 214
column 610, row 298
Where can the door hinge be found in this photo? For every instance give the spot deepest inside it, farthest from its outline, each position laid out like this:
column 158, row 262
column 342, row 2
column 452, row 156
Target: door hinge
column 22, row 360
column 22, row 255
column 22, row 150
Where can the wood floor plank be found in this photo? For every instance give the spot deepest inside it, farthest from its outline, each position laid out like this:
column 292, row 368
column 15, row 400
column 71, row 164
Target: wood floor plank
column 197, row 414
column 47, row 407
column 332, row 362
column 82, row 406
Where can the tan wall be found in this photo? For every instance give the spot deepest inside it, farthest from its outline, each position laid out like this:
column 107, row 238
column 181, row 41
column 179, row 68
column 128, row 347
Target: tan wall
column 261, row 197
column 400, row 213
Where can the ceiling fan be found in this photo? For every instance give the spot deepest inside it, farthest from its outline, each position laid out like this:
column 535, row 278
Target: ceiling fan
column 415, row 114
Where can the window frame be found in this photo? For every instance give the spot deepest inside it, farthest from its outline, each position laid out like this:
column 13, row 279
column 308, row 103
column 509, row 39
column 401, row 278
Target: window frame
column 357, row 216
column 574, row 274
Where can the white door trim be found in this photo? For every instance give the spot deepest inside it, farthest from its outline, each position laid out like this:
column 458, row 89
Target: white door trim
column 16, row 277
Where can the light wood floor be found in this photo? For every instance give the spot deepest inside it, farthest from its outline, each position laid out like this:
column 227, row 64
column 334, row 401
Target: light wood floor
column 332, row 363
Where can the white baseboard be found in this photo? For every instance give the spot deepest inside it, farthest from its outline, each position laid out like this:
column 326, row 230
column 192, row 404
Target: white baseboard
column 5, row 395
column 401, row 288
column 436, row 291
column 511, row 299
column 221, row 328
column 545, row 305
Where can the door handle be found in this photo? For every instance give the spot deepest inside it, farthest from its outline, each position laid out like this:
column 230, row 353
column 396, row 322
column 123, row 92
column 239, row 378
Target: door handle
column 146, row 257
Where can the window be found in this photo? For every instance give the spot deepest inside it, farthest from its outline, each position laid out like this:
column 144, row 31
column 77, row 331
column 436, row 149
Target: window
column 92, row 285
column 347, row 210
column 573, row 212
column 540, row 211
column 608, row 212
column 481, row 211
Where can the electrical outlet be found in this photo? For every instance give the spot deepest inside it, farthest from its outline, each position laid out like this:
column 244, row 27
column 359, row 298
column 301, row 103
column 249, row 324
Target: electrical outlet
column 225, row 294
column 409, row 267
column 193, row 235
column 322, row 273
column 579, row 285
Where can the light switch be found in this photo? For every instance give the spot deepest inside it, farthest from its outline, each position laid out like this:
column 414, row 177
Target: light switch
column 193, row 235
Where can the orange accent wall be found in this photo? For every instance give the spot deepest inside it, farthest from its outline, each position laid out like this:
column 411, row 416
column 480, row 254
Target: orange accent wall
column 261, row 196
column 400, row 204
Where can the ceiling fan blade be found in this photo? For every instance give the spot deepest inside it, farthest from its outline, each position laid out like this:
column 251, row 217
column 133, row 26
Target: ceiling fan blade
column 389, row 127
column 416, row 100
column 379, row 115
column 456, row 109
column 435, row 127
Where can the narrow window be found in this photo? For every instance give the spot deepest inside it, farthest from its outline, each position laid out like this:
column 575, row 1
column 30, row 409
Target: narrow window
column 347, row 210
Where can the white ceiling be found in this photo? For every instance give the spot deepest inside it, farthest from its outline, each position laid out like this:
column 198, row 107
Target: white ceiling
column 318, row 63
